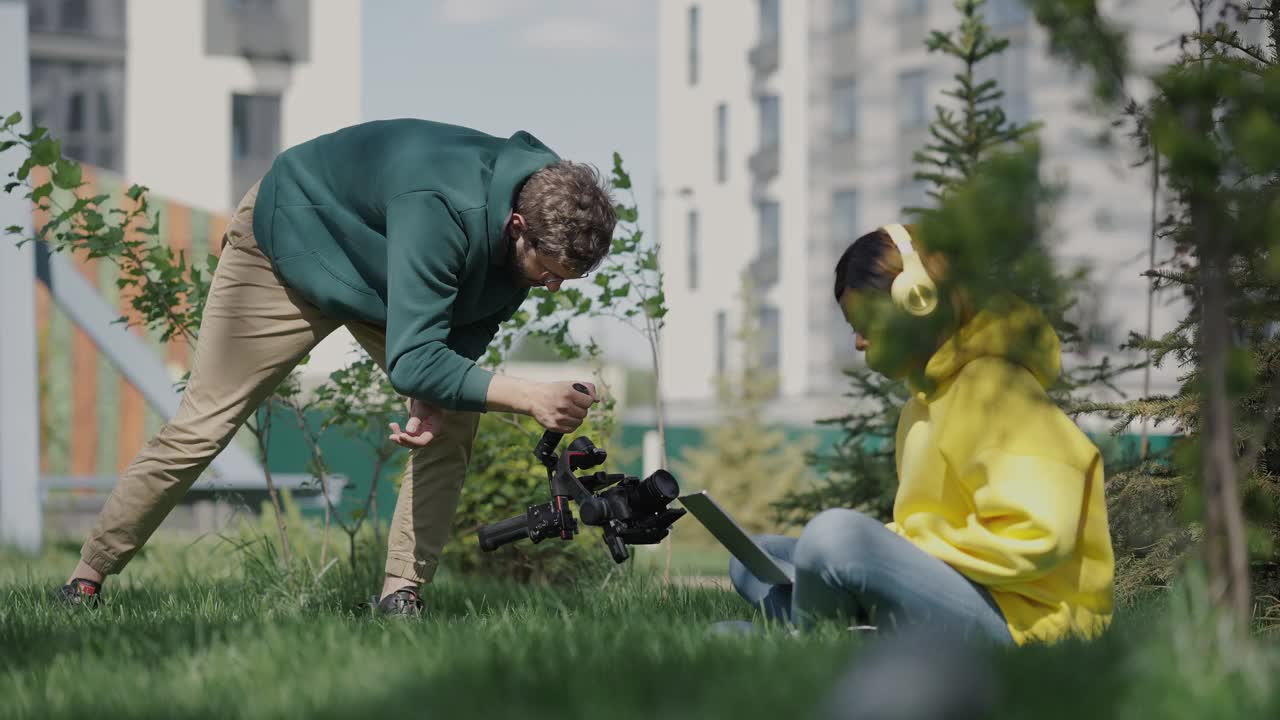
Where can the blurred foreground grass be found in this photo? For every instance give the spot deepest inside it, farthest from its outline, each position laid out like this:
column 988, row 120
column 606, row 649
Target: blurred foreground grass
column 203, row 630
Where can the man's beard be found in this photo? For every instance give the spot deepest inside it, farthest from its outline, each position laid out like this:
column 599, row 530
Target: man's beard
column 516, row 268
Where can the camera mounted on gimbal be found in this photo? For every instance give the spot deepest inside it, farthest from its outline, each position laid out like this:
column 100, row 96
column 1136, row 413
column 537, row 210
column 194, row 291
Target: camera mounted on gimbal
column 630, row 511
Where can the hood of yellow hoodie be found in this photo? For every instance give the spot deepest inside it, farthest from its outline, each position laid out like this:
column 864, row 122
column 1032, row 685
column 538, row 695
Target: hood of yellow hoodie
column 1008, row 328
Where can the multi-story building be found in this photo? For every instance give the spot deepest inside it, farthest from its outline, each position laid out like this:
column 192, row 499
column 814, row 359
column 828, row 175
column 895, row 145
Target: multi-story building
column 77, row 66
column 193, row 98
column 786, row 130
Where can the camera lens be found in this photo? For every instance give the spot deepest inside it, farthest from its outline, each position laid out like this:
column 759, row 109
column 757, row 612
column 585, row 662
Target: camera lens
column 655, row 492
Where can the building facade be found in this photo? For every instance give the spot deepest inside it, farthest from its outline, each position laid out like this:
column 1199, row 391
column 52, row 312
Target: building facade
column 193, row 98
column 786, row 130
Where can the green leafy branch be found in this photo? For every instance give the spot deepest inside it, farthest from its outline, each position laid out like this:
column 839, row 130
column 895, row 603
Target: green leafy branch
column 164, row 290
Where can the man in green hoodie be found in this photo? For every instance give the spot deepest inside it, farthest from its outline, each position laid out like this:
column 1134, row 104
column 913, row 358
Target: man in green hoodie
column 420, row 238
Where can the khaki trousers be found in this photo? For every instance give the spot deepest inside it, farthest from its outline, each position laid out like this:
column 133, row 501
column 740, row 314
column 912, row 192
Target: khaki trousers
column 254, row 331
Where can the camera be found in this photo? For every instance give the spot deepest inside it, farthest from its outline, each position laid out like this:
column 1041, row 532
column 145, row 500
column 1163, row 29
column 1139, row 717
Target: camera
column 630, row 511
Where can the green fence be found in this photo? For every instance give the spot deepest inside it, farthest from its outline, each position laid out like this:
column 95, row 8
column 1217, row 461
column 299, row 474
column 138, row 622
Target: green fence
column 289, row 454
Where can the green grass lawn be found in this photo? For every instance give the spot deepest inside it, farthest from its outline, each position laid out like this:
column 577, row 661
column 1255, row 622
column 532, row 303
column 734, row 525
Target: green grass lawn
column 188, row 632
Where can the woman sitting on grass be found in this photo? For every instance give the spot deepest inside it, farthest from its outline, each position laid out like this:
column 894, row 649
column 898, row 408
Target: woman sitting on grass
column 999, row 525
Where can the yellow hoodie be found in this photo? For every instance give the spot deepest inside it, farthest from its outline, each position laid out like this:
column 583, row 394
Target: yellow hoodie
column 998, row 482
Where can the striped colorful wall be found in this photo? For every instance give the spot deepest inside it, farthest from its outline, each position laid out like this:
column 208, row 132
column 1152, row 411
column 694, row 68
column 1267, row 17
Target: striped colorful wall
column 94, row 420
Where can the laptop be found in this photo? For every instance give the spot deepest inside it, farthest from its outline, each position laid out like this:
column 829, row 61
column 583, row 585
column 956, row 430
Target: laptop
column 736, row 540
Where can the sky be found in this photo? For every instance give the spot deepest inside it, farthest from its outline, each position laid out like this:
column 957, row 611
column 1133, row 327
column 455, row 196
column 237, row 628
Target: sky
column 580, row 75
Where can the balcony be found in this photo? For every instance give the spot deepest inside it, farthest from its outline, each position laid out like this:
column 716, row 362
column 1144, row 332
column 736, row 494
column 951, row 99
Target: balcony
column 764, row 57
column 271, row 30
column 765, row 163
column 764, row 271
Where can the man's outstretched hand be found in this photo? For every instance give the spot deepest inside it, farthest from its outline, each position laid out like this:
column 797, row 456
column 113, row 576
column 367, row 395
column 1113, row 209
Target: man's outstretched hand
column 425, row 422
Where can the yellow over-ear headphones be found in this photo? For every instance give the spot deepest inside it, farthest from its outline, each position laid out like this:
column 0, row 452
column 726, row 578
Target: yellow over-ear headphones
column 913, row 290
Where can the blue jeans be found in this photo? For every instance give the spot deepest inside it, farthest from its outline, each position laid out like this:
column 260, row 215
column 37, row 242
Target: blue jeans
column 852, row 568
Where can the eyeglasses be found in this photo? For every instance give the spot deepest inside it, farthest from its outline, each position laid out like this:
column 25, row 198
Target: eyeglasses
column 545, row 271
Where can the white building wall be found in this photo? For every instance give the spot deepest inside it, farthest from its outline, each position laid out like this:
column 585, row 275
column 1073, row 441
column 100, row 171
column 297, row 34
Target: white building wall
column 728, row 221
column 687, row 182
column 178, row 137
column 790, row 189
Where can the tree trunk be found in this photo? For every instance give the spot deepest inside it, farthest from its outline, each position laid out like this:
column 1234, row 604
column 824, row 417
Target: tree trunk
column 1224, row 518
column 662, row 432
column 264, row 436
column 1151, row 287
column 657, row 397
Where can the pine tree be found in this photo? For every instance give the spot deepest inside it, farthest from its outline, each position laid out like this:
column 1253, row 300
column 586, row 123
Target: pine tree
column 964, row 136
column 1212, row 130
column 742, row 462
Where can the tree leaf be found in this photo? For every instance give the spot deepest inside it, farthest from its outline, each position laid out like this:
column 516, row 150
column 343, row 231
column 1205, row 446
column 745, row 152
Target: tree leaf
column 12, row 120
column 66, row 174
column 46, row 152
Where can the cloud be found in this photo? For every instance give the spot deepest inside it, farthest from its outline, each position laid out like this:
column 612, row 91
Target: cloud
column 480, row 12
column 576, row 33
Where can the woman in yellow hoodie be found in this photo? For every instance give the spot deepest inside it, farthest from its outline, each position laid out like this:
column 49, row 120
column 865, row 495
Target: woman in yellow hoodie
column 999, row 524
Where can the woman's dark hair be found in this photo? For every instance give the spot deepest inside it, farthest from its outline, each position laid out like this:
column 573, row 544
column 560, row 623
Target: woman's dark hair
column 871, row 262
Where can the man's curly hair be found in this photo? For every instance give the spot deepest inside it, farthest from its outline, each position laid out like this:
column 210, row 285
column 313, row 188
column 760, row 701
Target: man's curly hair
column 570, row 215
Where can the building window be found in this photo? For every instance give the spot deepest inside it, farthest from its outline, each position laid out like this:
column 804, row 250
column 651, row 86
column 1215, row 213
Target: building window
column 1002, row 14
column 844, row 15
column 37, row 15
column 255, row 139
column 74, row 16
column 770, row 231
column 1009, row 70
column 694, row 249
column 913, row 193
column 844, row 219
column 106, row 157
column 693, row 45
column 844, row 108
column 278, row 30
column 770, row 337
column 770, row 22
column 913, row 113
column 75, row 112
column 106, row 122
column 770, row 121
column 913, row 25
column 722, row 142
column 722, row 342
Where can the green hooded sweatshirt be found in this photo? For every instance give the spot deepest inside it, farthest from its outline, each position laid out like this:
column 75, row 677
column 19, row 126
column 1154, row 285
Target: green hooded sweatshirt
column 401, row 223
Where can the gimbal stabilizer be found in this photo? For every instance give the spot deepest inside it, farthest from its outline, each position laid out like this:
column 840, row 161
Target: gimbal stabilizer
column 632, row 512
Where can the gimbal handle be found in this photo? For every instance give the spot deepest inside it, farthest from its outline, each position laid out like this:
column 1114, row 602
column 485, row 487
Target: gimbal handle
column 546, row 448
